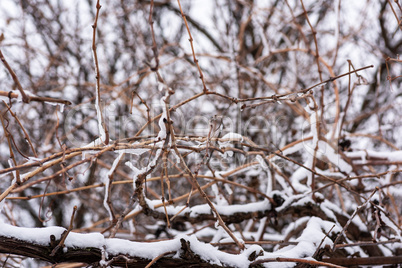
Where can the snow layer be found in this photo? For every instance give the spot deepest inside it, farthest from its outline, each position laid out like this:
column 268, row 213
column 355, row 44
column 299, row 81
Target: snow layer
column 391, row 156
column 308, row 242
column 115, row 246
column 206, row 209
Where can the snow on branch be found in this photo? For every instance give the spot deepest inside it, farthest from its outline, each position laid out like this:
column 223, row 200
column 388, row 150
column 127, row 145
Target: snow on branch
column 212, row 136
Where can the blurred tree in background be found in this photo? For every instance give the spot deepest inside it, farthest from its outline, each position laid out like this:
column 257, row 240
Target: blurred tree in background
column 157, row 119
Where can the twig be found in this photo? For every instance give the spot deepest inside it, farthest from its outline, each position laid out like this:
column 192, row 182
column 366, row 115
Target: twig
column 143, row 102
column 297, row 260
column 25, row 98
column 336, row 77
column 396, row 16
column 322, row 241
column 185, row 206
column 158, row 257
column 103, row 131
column 27, row 138
column 52, row 163
column 122, row 217
column 65, row 234
column 319, row 121
column 171, row 109
column 154, row 46
column 368, row 261
column 108, row 192
column 351, row 218
column 317, row 55
column 261, row 242
column 163, row 193
column 367, row 243
column 9, row 138
column 204, row 195
column 192, row 47
column 14, row 95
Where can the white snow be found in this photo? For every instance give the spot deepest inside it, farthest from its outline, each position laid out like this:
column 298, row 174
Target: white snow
column 162, row 132
column 390, row 156
column 390, row 224
column 115, row 246
column 300, row 174
column 262, row 163
column 333, row 157
column 137, row 171
column 222, row 209
column 225, row 64
column 230, row 137
column 61, row 105
column 77, row 240
column 106, row 180
column 310, row 239
column 40, row 236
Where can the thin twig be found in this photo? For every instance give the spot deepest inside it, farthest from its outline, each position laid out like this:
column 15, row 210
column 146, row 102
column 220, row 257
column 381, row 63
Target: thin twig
column 10, row 140
column 103, row 131
column 204, row 195
column 27, row 138
column 296, row 260
column 154, row 46
column 14, row 95
column 25, row 98
column 159, row 257
column 122, row 217
column 65, row 234
column 351, row 218
column 192, row 47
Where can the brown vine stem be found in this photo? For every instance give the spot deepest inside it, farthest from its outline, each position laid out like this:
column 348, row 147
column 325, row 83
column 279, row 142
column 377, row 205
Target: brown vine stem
column 368, row 261
column 233, row 99
column 296, row 260
column 192, row 47
column 65, row 234
column 314, row 32
column 334, row 78
column 102, row 127
column 52, row 163
column 366, row 243
column 204, row 195
column 260, row 242
column 319, row 118
column 25, row 98
column 75, row 151
column 121, row 218
column 22, row 128
column 154, row 46
column 9, row 140
column 351, row 218
column 13, row 95
column 317, row 140
column 170, row 110
column 317, row 58
column 200, row 189
column 143, row 102
column 393, row 11
column 136, row 213
column 129, row 181
column 280, row 96
column 158, row 257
